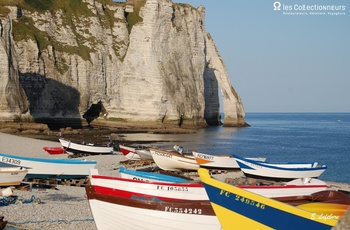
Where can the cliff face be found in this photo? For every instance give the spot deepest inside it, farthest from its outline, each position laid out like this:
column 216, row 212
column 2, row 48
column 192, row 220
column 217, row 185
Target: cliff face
column 140, row 61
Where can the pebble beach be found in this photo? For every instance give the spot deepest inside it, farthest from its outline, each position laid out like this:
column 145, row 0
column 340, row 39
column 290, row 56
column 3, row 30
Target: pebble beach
column 66, row 207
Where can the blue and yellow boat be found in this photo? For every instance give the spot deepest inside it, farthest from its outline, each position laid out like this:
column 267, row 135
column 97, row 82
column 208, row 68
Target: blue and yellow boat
column 240, row 209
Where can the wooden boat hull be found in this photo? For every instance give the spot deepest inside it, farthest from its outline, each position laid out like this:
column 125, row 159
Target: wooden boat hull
column 241, row 209
column 220, row 161
column 279, row 171
column 325, row 196
column 116, row 212
column 75, row 148
column 149, row 176
column 12, row 176
column 295, row 187
column 173, row 161
column 48, row 167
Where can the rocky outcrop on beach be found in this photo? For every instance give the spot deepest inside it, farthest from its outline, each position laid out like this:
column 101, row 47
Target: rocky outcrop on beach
column 149, row 61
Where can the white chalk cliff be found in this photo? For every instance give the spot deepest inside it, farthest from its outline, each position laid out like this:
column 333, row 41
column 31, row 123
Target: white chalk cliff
column 140, row 61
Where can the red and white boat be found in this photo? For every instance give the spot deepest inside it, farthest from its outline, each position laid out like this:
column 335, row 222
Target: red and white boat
column 118, row 203
column 55, row 150
column 161, row 190
column 112, row 209
column 129, row 152
column 195, row 191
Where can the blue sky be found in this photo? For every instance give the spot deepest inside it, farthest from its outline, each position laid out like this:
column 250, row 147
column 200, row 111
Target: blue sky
column 283, row 63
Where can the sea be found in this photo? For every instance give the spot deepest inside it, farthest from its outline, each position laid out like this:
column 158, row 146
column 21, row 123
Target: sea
column 280, row 137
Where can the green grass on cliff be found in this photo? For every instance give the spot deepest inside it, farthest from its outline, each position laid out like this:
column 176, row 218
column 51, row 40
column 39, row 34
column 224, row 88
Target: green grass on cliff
column 23, row 29
column 4, row 11
column 134, row 17
column 69, row 6
column 74, row 15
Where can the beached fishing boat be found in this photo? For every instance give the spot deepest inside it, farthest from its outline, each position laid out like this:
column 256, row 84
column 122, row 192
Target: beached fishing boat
column 219, row 161
column 271, row 189
column 144, row 154
column 173, row 160
column 296, row 187
column 280, row 171
column 129, row 152
column 55, row 150
column 149, row 176
column 114, row 187
column 85, row 149
column 195, row 190
column 112, row 211
column 237, row 208
column 49, row 167
column 12, row 176
column 161, row 190
column 325, row 196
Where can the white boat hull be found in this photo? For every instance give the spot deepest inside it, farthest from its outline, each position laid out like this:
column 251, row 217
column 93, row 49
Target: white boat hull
column 48, row 167
column 114, row 216
column 144, row 154
column 132, row 177
column 282, row 171
column 87, row 149
column 111, row 214
column 132, row 156
column 184, row 191
column 168, row 160
column 218, row 162
column 11, row 176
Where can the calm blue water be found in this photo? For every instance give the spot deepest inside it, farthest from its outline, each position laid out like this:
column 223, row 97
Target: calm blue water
column 282, row 137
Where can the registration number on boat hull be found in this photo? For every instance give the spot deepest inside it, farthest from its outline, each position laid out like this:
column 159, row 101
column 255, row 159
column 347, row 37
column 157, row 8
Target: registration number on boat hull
column 11, row 161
